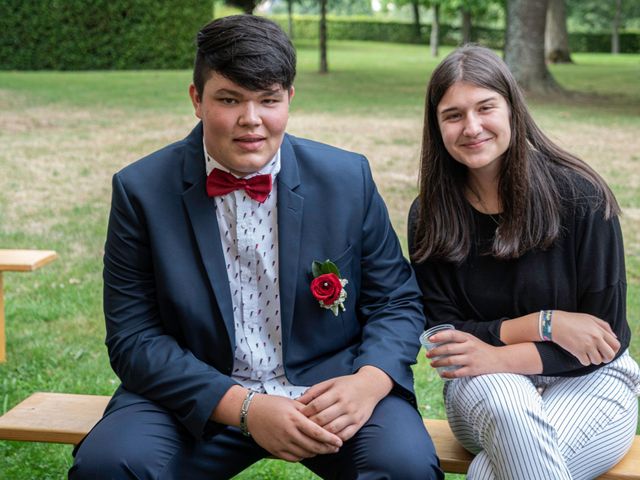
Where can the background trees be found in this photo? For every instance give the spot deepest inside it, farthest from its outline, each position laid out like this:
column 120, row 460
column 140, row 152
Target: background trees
column 612, row 15
column 556, row 36
column 524, row 45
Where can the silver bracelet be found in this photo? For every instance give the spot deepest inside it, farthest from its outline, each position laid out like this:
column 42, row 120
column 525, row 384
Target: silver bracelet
column 244, row 410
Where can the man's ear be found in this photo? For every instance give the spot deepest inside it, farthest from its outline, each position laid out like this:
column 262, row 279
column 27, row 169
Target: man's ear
column 195, row 100
column 292, row 92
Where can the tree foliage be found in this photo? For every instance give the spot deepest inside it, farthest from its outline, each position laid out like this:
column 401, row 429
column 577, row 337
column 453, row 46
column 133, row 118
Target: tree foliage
column 599, row 15
column 99, row 34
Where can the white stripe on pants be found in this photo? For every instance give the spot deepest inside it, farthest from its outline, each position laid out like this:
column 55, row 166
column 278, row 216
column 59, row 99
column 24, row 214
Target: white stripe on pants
column 578, row 428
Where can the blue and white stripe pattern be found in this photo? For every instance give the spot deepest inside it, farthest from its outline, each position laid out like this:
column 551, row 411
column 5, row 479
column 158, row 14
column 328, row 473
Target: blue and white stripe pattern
column 542, row 427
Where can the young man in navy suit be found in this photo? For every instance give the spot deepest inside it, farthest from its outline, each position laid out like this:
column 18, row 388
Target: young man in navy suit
column 256, row 299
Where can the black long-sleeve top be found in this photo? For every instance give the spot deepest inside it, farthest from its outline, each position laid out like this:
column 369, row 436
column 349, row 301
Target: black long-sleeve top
column 583, row 271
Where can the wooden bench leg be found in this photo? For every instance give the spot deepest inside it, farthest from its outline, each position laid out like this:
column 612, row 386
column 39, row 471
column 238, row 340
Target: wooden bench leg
column 3, row 354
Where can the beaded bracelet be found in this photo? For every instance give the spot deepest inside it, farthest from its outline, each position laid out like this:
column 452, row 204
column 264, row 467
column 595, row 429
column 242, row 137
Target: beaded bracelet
column 244, row 410
column 544, row 325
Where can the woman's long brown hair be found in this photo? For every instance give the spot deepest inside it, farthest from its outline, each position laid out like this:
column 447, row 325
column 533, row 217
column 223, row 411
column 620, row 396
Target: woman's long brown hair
column 532, row 172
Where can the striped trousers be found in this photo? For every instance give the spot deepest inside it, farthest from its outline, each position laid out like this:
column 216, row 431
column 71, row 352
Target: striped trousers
column 535, row 427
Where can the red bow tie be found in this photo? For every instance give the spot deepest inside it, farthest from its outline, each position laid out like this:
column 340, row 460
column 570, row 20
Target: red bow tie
column 221, row 183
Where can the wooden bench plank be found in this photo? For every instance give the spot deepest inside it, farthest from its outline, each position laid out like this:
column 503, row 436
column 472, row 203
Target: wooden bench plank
column 67, row 418
column 25, row 260
column 53, row 417
column 629, row 467
column 453, row 457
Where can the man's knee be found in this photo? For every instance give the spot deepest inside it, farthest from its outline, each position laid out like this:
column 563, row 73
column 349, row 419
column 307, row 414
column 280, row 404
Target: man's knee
column 399, row 447
column 132, row 442
column 99, row 461
column 398, row 461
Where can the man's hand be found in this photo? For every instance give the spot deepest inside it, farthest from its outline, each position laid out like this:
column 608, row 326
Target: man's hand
column 584, row 336
column 278, row 426
column 343, row 404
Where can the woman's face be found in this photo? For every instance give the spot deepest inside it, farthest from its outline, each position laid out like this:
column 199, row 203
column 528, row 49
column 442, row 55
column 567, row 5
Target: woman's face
column 475, row 126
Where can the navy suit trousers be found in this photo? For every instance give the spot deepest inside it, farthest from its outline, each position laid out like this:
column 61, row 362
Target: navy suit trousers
column 144, row 441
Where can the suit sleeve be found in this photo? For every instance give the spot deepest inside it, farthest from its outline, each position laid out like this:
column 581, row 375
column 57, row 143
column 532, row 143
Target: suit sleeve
column 148, row 361
column 389, row 302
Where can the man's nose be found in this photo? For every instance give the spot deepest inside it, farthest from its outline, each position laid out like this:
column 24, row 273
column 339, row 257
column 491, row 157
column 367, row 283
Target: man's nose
column 250, row 115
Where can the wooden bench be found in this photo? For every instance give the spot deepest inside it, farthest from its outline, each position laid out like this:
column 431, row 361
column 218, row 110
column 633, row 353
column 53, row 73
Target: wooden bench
column 67, row 418
column 19, row 261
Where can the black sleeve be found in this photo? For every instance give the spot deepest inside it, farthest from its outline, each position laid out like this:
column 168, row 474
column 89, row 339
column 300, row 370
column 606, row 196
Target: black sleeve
column 601, row 289
column 440, row 293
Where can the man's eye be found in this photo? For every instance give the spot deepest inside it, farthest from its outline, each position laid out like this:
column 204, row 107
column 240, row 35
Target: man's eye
column 228, row 101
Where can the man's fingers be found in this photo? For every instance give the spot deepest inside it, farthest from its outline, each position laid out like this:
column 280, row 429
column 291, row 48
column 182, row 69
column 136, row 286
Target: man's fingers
column 319, row 435
column 327, row 416
column 314, row 392
column 339, row 424
column 318, row 404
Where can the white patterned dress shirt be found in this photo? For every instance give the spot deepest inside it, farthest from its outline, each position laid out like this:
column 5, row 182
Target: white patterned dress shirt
column 249, row 234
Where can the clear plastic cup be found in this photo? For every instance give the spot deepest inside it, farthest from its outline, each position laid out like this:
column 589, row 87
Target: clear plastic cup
column 424, row 341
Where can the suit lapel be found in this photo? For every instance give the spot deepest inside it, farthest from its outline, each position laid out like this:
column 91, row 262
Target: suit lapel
column 290, row 208
column 201, row 211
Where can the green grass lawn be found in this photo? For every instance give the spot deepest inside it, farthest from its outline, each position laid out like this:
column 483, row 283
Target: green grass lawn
column 65, row 133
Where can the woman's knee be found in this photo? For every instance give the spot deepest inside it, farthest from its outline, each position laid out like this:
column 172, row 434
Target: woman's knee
column 499, row 399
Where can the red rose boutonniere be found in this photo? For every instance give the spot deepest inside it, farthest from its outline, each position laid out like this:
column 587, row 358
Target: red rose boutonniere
column 327, row 287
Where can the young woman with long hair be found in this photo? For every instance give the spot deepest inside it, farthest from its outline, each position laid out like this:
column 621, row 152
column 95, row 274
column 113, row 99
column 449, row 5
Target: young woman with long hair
column 516, row 242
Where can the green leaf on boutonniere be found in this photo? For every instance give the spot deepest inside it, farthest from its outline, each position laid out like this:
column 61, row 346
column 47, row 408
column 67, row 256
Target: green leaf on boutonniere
column 321, row 268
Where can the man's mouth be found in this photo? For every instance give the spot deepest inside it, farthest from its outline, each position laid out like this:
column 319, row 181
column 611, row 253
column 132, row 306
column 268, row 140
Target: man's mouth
column 250, row 142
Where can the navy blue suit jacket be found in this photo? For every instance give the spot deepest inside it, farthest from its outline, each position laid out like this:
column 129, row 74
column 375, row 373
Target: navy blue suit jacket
column 168, row 308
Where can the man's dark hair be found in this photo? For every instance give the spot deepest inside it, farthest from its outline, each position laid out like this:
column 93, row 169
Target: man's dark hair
column 248, row 50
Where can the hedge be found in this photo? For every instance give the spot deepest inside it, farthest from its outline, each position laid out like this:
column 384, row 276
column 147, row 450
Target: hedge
column 136, row 34
column 601, row 42
column 99, row 34
column 340, row 28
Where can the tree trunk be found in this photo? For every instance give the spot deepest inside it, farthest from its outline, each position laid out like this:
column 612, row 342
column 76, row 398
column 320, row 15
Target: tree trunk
column 247, row 6
column 615, row 26
column 556, row 37
column 524, row 45
column 416, row 20
column 466, row 25
column 324, row 66
column 290, row 12
column 435, row 30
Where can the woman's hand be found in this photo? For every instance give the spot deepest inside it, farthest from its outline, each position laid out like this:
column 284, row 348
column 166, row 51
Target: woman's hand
column 475, row 357
column 584, row 336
